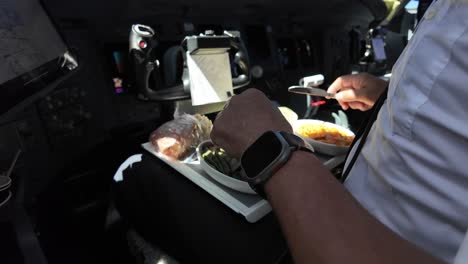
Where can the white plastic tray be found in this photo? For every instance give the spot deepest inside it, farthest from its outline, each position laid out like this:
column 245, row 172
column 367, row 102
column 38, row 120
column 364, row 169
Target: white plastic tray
column 252, row 207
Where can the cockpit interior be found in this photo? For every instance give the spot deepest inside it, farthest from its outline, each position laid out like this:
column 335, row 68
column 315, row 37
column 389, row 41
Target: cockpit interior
column 83, row 84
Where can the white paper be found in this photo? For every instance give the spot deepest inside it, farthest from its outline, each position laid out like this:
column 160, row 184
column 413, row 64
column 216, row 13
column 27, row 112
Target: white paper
column 210, row 78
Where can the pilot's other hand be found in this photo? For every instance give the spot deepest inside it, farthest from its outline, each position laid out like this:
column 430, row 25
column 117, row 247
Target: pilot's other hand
column 245, row 118
column 358, row 91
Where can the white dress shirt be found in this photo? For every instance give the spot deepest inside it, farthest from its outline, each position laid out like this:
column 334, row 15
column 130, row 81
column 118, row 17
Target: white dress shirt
column 462, row 255
column 412, row 173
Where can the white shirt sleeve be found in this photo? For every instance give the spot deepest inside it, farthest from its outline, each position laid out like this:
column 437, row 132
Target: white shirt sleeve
column 462, row 255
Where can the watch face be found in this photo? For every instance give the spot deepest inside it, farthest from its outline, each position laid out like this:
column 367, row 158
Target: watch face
column 261, row 154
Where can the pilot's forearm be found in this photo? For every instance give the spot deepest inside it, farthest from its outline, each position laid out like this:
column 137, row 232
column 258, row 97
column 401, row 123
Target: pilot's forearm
column 323, row 223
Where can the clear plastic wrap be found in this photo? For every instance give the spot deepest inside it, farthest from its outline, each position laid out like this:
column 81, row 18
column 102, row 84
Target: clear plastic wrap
column 179, row 138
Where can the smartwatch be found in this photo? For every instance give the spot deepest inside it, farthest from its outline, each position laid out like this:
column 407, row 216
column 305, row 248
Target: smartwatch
column 261, row 160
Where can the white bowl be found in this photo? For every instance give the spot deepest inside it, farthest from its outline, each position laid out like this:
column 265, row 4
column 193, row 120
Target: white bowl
column 288, row 114
column 321, row 147
column 223, row 179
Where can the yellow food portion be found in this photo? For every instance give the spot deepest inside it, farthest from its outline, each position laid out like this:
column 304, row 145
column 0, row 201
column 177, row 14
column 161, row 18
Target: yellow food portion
column 326, row 134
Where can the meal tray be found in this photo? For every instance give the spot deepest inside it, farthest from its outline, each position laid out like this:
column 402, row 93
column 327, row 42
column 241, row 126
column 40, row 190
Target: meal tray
column 252, row 207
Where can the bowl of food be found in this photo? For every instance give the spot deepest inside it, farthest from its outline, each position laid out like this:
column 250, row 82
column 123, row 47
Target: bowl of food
column 221, row 167
column 325, row 137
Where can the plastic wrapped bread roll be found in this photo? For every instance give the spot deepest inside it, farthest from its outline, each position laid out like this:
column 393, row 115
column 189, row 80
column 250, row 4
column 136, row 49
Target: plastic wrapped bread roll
column 179, row 138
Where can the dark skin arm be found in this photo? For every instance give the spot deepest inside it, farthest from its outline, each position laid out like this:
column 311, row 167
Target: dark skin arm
column 322, row 222
column 357, row 91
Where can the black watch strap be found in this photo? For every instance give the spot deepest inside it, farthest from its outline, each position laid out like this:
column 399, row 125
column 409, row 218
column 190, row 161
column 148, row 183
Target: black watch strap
column 296, row 141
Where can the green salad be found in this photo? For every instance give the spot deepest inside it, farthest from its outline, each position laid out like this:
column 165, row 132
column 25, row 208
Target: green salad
column 218, row 159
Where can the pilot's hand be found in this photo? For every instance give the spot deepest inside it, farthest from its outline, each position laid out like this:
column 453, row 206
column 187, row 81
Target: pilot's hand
column 358, row 91
column 245, row 118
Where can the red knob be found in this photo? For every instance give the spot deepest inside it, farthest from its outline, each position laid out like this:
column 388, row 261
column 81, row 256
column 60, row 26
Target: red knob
column 142, row 44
